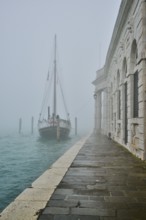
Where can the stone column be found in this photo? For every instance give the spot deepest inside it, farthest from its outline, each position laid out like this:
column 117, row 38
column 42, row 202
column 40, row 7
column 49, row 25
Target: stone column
column 123, row 113
column 98, row 113
column 95, row 113
column 104, row 111
column 108, row 94
column 143, row 121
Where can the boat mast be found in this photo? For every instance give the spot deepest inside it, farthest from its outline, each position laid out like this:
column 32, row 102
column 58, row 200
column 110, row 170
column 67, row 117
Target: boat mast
column 54, row 104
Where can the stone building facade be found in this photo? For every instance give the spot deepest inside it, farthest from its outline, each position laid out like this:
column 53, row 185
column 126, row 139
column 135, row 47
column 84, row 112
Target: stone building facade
column 120, row 86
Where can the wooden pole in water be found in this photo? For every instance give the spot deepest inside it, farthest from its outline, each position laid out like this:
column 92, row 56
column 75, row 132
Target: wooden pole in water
column 20, row 125
column 76, row 127
column 58, row 129
column 32, row 123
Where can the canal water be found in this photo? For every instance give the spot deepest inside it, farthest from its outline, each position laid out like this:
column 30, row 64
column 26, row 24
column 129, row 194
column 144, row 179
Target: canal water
column 23, row 158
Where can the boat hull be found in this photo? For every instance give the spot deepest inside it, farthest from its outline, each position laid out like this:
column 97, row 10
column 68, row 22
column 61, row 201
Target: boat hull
column 51, row 132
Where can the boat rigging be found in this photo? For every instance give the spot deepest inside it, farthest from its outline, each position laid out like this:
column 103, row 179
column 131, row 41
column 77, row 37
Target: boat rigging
column 54, row 127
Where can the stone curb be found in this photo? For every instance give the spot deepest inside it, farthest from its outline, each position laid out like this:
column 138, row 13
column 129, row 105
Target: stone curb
column 31, row 201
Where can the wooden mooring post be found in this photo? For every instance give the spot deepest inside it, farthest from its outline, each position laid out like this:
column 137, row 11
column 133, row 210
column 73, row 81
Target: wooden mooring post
column 76, row 126
column 58, row 129
column 20, row 125
column 32, row 124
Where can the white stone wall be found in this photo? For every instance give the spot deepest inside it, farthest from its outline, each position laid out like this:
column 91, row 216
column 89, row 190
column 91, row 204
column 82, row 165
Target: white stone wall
column 126, row 55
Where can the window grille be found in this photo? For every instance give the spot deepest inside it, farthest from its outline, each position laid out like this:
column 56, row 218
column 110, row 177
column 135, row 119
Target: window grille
column 111, row 108
column 126, row 116
column 119, row 104
column 135, row 95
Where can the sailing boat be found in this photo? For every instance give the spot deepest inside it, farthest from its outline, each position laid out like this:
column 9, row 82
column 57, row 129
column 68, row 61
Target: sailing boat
column 54, row 127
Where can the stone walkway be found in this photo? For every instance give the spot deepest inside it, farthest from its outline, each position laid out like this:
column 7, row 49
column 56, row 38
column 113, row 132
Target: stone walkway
column 104, row 182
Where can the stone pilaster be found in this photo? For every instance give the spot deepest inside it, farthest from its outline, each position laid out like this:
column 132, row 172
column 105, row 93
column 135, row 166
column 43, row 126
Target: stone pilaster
column 98, row 112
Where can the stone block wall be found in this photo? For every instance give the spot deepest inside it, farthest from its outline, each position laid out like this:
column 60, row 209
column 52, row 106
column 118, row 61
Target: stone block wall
column 124, row 115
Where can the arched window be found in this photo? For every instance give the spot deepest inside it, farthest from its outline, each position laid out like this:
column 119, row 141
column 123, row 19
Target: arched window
column 118, row 78
column 111, row 102
column 135, row 95
column 124, row 69
column 118, row 96
column 111, row 88
column 134, row 56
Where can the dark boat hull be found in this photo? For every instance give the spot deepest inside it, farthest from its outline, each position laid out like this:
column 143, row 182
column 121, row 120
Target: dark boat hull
column 51, row 132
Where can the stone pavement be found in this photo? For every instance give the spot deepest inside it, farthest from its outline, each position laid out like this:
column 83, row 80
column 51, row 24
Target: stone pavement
column 104, row 182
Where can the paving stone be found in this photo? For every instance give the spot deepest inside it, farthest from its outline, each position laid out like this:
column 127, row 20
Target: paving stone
column 46, row 217
column 135, row 213
column 94, row 204
column 97, row 198
column 91, row 192
column 75, row 217
column 137, row 194
column 77, row 197
column 108, row 218
column 93, row 212
column 117, row 193
column 129, row 218
column 62, row 203
column 119, row 199
column 64, row 185
column 64, row 191
column 56, row 210
column 58, row 196
column 136, row 205
column 141, row 200
column 117, row 205
column 104, row 182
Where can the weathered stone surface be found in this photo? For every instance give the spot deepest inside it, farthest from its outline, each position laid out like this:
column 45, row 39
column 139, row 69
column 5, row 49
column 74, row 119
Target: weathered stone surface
column 122, row 79
column 56, row 210
column 22, row 210
column 76, row 217
column 104, row 182
column 29, row 204
column 93, row 211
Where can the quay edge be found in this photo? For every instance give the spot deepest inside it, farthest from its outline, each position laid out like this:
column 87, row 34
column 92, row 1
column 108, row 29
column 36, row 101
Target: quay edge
column 31, row 201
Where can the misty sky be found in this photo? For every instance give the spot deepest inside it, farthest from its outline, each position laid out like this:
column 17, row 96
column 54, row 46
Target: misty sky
column 27, row 29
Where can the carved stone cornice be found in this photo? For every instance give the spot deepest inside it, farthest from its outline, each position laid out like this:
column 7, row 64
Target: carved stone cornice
column 121, row 19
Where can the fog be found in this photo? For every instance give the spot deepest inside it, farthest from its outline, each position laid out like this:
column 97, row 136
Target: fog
column 27, row 28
